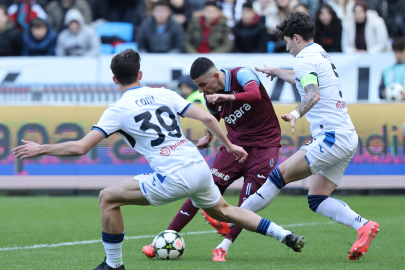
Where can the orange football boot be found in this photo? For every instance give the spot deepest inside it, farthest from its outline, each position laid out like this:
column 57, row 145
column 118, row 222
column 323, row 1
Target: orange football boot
column 149, row 251
column 365, row 234
column 219, row 255
column 221, row 227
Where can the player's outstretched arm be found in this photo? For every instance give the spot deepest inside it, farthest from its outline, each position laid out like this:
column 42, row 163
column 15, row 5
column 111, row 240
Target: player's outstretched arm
column 287, row 75
column 311, row 98
column 72, row 148
column 213, row 126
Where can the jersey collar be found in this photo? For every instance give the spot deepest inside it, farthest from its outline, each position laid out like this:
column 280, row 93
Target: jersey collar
column 309, row 44
column 227, row 80
column 133, row 88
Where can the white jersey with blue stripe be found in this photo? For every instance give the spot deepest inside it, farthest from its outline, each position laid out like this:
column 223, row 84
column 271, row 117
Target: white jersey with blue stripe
column 330, row 112
column 147, row 119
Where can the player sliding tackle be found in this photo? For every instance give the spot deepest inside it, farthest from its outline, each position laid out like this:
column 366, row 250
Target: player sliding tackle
column 334, row 141
column 147, row 120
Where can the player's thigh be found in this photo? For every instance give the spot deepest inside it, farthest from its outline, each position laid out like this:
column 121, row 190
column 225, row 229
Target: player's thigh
column 122, row 193
column 203, row 191
column 295, row 167
column 225, row 169
column 260, row 163
column 218, row 211
column 320, row 185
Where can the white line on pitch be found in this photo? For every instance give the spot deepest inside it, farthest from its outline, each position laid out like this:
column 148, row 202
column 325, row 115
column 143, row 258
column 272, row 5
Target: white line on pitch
column 140, row 237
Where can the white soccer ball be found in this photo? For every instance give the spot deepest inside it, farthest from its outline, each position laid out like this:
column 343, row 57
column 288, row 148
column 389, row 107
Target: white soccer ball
column 168, row 245
column 394, row 91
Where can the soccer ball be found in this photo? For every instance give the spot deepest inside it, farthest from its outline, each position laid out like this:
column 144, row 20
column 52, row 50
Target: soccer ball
column 394, row 92
column 168, row 245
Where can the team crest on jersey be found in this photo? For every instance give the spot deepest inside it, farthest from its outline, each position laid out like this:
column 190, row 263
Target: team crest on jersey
column 271, row 162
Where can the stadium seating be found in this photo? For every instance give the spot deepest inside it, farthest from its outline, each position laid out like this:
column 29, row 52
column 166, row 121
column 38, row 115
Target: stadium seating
column 106, row 49
column 123, row 46
column 120, row 29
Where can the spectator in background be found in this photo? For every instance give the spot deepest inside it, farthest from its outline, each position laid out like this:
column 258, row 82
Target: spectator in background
column 208, row 32
column 395, row 73
column 160, row 33
column 232, row 9
column 59, row 8
column 78, row 39
column 22, row 12
column 311, row 5
column 343, row 8
column 366, row 32
column 301, row 8
column 328, row 29
column 40, row 39
column 275, row 12
column 250, row 33
column 182, row 12
column 189, row 91
column 10, row 36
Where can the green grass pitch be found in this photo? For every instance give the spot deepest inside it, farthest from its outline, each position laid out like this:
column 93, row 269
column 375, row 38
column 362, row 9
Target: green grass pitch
column 29, row 221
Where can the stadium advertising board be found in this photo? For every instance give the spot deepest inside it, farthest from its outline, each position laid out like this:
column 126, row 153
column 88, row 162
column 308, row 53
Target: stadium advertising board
column 360, row 74
column 380, row 128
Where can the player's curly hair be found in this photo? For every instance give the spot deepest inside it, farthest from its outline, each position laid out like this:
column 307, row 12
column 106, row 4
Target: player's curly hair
column 299, row 23
column 125, row 66
column 200, row 66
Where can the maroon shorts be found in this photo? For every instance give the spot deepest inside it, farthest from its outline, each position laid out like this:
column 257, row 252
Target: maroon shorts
column 258, row 166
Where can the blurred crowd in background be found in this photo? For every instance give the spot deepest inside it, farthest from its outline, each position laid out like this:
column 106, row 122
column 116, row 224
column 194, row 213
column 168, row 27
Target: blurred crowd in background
column 69, row 27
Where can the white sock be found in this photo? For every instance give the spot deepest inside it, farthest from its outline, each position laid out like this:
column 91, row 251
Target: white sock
column 225, row 244
column 340, row 212
column 114, row 254
column 262, row 198
column 277, row 232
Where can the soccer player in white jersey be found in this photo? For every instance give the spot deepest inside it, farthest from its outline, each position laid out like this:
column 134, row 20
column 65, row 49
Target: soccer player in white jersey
column 334, row 141
column 147, row 120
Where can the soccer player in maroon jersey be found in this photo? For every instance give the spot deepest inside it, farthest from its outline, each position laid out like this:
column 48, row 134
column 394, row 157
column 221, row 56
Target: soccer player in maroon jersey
column 237, row 96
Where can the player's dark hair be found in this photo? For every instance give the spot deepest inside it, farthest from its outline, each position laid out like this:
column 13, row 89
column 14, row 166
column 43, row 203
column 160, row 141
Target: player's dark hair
column 125, row 66
column 160, row 3
column 200, row 66
column 398, row 44
column 298, row 24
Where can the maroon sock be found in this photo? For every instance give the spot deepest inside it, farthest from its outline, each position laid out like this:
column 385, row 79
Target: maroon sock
column 250, row 186
column 184, row 216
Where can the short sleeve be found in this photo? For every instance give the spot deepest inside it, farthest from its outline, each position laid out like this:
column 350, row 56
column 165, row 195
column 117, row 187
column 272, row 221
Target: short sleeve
column 245, row 76
column 109, row 122
column 302, row 68
column 180, row 104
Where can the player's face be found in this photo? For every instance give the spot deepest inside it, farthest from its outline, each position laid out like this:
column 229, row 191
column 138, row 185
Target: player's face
column 207, row 84
column 292, row 46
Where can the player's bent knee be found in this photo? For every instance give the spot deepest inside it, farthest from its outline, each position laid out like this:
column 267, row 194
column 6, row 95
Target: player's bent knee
column 104, row 197
column 315, row 200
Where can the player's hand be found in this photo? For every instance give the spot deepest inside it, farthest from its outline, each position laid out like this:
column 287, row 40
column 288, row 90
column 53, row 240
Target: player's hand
column 289, row 118
column 268, row 70
column 27, row 150
column 204, row 142
column 219, row 98
column 238, row 151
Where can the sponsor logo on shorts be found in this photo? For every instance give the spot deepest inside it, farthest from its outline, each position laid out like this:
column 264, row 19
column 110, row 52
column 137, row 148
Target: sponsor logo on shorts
column 165, row 151
column 231, row 119
column 220, row 175
column 271, row 162
column 261, row 176
column 340, row 105
column 184, row 213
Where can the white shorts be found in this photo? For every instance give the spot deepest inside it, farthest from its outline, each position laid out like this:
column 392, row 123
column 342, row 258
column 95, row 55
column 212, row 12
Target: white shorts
column 193, row 181
column 331, row 152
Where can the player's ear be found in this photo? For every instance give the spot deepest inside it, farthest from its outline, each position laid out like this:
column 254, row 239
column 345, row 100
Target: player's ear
column 216, row 75
column 140, row 75
column 115, row 80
